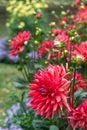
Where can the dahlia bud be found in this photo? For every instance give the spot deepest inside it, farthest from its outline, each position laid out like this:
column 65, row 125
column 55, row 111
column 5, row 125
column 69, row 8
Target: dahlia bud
column 52, row 24
column 82, row 6
column 72, row 39
column 59, row 44
column 63, row 13
column 26, row 42
column 46, row 62
column 66, row 53
column 53, row 12
column 35, row 42
column 39, row 15
column 79, row 59
column 36, row 22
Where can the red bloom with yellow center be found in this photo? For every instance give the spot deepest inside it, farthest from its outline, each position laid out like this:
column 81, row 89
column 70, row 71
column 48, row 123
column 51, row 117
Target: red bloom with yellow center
column 50, row 90
column 78, row 116
column 17, row 43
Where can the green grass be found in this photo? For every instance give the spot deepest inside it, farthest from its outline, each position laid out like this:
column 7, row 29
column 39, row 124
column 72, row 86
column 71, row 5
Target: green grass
column 7, row 75
column 3, row 30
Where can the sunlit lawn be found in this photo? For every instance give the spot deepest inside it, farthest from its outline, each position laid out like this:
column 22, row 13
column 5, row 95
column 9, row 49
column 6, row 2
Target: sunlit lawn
column 7, row 75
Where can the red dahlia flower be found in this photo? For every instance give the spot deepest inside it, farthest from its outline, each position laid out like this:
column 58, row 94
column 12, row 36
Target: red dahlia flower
column 17, row 43
column 59, row 31
column 78, row 116
column 39, row 15
column 81, row 83
column 50, row 90
column 77, row 2
column 62, row 38
column 81, row 16
column 45, row 47
column 81, row 51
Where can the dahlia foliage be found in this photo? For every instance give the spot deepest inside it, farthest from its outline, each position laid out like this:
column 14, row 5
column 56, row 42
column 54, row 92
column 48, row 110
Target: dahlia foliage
column 57, row 78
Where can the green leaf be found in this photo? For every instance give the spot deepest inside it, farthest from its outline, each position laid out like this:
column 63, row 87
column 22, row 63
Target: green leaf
column 20, row 83
column 54, row 127
column 23, row 95
column 15, row 98
column 41, row 124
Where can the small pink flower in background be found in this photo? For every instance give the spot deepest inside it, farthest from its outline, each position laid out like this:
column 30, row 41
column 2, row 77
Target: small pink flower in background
column 59, row 31
column 45, row 48
column 17, row 43
column 63, row 37
column 62, row 21
column 81, row 51
column 81, row 16
column 70, row 27
column 77, row 2
column 56, row 31
column 65, row 19
column 39, row 15
column 81, row 83
column 50, row 90
column 78, row 116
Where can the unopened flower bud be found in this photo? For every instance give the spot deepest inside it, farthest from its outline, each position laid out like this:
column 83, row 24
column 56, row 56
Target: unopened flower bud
column 36, row 22
column 63, row 13
column 46, row 62
column 26, row 42
column 59, row 44
column 66, row 52
column 53, row 12
column 52, row 24
column 79, row 59
column 72, row 39
column 35, row 42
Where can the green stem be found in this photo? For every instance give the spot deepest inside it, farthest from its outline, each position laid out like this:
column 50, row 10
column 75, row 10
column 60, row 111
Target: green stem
column 72, row 86
column 23, row 107
column 25, row 71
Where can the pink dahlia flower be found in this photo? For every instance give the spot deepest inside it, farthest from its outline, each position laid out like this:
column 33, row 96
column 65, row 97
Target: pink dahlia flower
column 17, row 43
column 45, row 48
column 81, row 51
column 50, row 90
column 77, row 2
column 39, row 15
column 63, row 38
column 78, row 116
column 81, row 83
column 81, row 16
